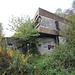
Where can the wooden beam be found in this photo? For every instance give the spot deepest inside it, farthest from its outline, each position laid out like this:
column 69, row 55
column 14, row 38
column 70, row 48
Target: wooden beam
column 47, row 30
column 37, row 25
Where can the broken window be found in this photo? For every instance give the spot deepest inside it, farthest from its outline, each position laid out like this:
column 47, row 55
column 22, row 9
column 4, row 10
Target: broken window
column 38, row 20
column 57, row 25
column 49, row 47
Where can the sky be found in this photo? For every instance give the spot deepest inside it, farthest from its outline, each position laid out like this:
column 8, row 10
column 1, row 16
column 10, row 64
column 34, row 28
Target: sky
column 27, row 7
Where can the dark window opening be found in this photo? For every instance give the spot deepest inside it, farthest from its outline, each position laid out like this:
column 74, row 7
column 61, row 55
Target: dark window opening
column 57, row 25
column 37, row 21
column 39, row 44
column 9, row 44
column 49, row 47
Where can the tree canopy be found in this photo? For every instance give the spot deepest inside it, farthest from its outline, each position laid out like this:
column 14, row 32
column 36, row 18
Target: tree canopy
column 67, row 12
column 23, row 28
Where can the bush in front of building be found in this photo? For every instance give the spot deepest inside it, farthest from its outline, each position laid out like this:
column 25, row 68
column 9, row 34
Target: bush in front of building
column 60, row 62
column 34, row 49
column 13, row 62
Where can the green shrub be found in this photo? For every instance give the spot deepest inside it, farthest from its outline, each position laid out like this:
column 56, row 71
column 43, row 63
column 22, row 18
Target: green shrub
column 13, row 62
column 60, row 62
column 34, row 49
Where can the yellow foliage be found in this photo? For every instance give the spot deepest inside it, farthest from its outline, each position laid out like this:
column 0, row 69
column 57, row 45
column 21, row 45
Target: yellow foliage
column 1, row 52
column 10, row 52
column 67, row 17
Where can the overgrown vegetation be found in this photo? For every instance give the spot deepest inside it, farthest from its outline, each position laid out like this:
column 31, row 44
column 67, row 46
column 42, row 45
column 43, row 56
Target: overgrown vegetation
column 0, row 32
column 24, row 29
column 60, row 62
column 13, row 62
